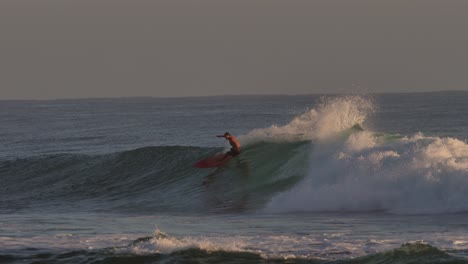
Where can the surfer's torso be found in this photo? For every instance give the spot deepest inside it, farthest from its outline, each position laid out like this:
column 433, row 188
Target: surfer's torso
column 235, row 145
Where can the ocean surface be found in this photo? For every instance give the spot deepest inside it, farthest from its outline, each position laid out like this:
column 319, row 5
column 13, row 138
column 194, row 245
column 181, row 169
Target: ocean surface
column 379, row 178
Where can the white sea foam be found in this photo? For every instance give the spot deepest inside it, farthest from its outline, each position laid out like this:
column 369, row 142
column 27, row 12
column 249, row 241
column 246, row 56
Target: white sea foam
column 166, row 245
column 370, row 171
column 331, row 116
column 316, row 245
column 272, row 246
column 320, row 240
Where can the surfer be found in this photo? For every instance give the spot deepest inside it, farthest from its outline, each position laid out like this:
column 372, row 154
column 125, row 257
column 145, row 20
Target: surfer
column 235, row 145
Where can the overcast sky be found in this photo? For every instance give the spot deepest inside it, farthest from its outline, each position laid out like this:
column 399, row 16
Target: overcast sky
column 115, row 48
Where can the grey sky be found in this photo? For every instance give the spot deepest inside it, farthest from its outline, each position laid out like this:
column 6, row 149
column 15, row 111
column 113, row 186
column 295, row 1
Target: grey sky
column 108, row 48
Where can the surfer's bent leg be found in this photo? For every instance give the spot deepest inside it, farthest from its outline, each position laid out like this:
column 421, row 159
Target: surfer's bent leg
column 232, row 153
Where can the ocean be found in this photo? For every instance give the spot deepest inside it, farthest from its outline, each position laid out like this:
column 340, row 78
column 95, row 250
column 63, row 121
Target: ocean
column 379, row 178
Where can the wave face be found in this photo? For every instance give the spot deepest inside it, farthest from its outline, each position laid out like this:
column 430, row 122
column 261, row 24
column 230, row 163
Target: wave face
column 151, row 179
column 323, row 160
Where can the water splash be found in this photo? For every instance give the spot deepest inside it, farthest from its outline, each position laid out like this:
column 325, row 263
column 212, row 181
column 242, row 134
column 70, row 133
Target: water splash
column 369, row 171
column 331, row 116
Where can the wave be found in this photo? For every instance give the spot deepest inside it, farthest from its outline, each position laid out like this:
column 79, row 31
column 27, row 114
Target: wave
column 163, row 249
column 350, row 169
column 150, row 179
column 235, row 250
column 323, row 160
column 368, row 171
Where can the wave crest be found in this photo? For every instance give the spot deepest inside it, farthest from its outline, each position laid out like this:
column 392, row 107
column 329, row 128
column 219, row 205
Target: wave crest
column 331, row 116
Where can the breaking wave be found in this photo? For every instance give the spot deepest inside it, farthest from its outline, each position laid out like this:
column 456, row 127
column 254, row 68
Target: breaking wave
column 323, row 160
column 164, row 249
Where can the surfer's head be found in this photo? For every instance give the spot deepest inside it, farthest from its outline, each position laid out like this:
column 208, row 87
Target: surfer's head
column 227, row 135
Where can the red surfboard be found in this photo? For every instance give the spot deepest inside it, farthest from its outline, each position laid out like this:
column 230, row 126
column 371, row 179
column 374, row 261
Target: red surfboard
column 213, row 162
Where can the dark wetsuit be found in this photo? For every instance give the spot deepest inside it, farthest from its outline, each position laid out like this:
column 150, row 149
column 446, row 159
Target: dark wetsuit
column 233, row 152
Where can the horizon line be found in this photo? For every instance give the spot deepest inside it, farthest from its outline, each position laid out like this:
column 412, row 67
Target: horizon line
column 225, row 95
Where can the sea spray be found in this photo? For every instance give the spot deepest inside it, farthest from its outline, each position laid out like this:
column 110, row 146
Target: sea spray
column 331, row 116
column 367, row 172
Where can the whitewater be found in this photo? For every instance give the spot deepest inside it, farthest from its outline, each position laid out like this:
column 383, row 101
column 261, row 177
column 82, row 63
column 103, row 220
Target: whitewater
column 374, row 178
